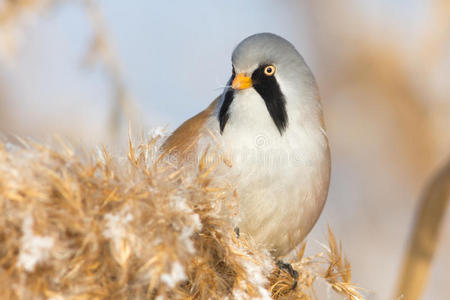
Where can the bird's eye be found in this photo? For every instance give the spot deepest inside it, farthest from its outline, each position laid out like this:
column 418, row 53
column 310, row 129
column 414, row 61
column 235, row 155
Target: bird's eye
column 269, row 70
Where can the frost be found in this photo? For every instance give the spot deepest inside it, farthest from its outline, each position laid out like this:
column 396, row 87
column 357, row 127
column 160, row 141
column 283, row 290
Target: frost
column 185, row 237
column 255, row 276
column 157, row 132
column 176, row 275
column 115, row 225
column 100, row 155
column 194, row 222
column 116, row 231
column 34, row 248
column 265, row 295
column 197, row 223
column 180, row 204
column 240, row 294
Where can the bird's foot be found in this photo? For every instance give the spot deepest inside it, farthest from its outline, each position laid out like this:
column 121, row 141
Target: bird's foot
column 288, row 268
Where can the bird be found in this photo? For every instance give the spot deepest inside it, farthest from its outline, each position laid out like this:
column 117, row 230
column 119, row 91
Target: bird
column 269, row 122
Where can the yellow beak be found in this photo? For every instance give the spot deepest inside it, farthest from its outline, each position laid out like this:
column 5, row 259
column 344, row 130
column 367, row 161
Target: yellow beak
column 241, row 82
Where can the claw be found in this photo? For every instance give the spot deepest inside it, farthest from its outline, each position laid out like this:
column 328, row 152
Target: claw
column 288, row 267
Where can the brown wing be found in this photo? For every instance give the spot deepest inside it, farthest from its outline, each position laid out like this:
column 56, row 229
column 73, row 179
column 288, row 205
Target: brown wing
column 184, row 138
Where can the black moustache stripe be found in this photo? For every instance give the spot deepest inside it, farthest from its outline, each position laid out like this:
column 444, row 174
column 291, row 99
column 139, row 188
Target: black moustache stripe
column 269, row 89
column 228, row 98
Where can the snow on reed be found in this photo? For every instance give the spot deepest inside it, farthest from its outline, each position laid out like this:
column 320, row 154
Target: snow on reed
column 92, row 225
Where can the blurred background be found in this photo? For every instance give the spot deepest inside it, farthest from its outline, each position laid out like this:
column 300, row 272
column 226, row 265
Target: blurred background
column 83, row 69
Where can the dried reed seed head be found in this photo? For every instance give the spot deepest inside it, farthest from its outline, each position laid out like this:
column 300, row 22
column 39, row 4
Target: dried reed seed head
column 100, row 226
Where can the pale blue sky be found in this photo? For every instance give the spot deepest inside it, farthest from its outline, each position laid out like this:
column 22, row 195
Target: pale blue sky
column 175, row 54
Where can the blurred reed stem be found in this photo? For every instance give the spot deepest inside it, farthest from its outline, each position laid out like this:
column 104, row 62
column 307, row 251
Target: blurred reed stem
column 424, row 238
column 102, row 52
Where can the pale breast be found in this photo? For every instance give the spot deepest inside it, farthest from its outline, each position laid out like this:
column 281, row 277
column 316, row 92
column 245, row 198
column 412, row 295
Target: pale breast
column 282, row 179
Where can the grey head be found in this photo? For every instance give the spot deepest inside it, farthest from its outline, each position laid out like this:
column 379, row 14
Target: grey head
column 273, row 67
column 264, row 48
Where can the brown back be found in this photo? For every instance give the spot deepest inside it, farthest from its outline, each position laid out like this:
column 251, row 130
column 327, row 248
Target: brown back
column 184, row 139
